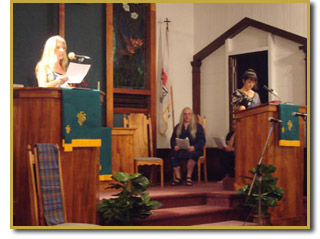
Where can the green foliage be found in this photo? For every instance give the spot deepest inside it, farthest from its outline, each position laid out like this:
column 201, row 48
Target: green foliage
column 131, row 203
column 270, row 193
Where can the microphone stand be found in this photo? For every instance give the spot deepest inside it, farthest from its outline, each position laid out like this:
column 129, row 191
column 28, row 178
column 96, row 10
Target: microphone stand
column 259, row 176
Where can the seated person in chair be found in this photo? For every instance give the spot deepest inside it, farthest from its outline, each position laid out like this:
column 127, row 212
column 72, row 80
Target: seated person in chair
column 187, row 128
column 229, row 152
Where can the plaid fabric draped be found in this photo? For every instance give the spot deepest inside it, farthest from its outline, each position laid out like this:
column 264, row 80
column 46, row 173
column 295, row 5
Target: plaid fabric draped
column 50, row 183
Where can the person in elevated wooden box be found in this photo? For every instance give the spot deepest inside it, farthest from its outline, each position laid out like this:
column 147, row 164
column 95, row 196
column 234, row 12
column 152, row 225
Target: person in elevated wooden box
column 187, row 128
column 51, row 69
column 245, row 97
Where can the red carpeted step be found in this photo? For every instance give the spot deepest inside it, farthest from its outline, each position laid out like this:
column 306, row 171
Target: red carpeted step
column 221, row 198
column 190, row 215
column 181, row 199
column 232, row 223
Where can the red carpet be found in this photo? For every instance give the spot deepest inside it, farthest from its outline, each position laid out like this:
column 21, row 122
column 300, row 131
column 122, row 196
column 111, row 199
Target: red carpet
column 198, row 205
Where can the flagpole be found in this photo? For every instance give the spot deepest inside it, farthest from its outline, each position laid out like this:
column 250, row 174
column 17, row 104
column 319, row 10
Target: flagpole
column 172, row 108
column 171, row 90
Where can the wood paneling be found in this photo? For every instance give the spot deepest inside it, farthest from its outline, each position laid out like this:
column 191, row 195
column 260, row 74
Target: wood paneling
column 37, row 119
column 122, row 150
column 251, row 133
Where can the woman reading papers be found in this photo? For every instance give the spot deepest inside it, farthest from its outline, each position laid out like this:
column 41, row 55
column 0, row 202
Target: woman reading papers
column 245, row 97
column 187, row 128
column 51, row 69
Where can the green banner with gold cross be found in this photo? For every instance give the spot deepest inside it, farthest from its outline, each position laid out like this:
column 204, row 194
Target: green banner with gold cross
column 81, row 125
column 289, row 128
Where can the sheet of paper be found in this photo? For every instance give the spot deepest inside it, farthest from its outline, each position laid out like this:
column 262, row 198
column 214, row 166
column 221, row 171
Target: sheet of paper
column 76, row 72
column 220, row 142
column 183, row 143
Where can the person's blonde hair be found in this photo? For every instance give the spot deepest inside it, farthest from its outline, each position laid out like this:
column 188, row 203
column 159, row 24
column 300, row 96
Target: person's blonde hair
column 49, row 57
column 192, row 126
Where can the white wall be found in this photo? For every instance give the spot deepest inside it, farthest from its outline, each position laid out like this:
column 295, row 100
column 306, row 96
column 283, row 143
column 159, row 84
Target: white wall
column 194, row 25
column 181, row 42
column 213, row 19
column 288, row 67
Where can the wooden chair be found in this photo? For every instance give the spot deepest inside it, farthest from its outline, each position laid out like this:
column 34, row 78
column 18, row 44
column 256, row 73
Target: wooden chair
column 203, row 159
column 46, row 187
column 143, row 147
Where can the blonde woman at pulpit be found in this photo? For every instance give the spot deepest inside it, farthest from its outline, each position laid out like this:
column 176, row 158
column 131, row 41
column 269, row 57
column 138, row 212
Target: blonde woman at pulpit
column 51, row 69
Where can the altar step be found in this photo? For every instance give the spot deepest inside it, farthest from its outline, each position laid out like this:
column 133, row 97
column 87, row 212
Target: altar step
column 232, row 223
column 196, row 209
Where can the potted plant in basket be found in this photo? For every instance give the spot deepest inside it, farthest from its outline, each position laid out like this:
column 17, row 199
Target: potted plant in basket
column 270, row 193
column 133, row 202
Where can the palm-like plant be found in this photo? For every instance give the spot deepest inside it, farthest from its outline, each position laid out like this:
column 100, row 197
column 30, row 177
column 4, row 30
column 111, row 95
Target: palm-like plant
column 270, row 193
column 132, row 203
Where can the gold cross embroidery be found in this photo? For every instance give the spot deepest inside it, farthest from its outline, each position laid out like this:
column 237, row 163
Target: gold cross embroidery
column 289, row 125
column 81, row 117
column 68, row 129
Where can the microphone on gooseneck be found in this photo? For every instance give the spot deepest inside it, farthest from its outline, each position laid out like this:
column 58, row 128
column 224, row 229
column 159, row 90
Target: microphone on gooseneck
column 271, row 91
column 295, row 114
column 72, row 56
column 271, row 119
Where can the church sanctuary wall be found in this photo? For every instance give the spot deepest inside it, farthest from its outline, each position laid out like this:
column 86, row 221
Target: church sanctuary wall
column 32, row 25
column 181, row 44
column 213, row 19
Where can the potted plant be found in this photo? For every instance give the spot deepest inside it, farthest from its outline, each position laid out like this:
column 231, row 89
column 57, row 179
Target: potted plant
column 270, row 193
column 131, row 203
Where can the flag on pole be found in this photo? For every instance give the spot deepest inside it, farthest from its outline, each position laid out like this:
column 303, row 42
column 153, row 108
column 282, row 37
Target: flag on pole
column 165, row 98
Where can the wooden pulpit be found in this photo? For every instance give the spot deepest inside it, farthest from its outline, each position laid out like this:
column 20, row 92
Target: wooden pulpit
column 252, row 130
column 37, row 118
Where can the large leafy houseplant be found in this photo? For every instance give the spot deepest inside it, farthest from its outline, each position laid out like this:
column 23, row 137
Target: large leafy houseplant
column 270, row 193
column 131, row 203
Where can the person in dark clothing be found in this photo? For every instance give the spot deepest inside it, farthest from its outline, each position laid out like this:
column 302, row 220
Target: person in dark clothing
column 245, row 97
column 187, row 128
column 229, row 152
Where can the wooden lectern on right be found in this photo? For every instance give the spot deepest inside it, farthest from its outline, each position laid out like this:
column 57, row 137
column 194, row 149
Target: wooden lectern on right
column 252, row 130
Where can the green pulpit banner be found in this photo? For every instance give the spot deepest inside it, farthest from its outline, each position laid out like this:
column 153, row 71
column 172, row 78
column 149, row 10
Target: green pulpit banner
column 80, row 111
column 289, row 128
column 81, row 125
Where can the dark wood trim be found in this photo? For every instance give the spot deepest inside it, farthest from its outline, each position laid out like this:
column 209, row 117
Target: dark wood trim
column 131, row 91
column 109, row 65
column 305, row 50
column 62, row 20
column 230, row 90
column 240, row 26
column 130, row 110
column 151, row 67
column 196, row 74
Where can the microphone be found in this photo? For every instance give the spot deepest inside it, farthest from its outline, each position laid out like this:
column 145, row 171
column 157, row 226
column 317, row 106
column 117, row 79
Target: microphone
column 271, row 91
column 72, row 56
column 295, row 114
column 271, row 119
